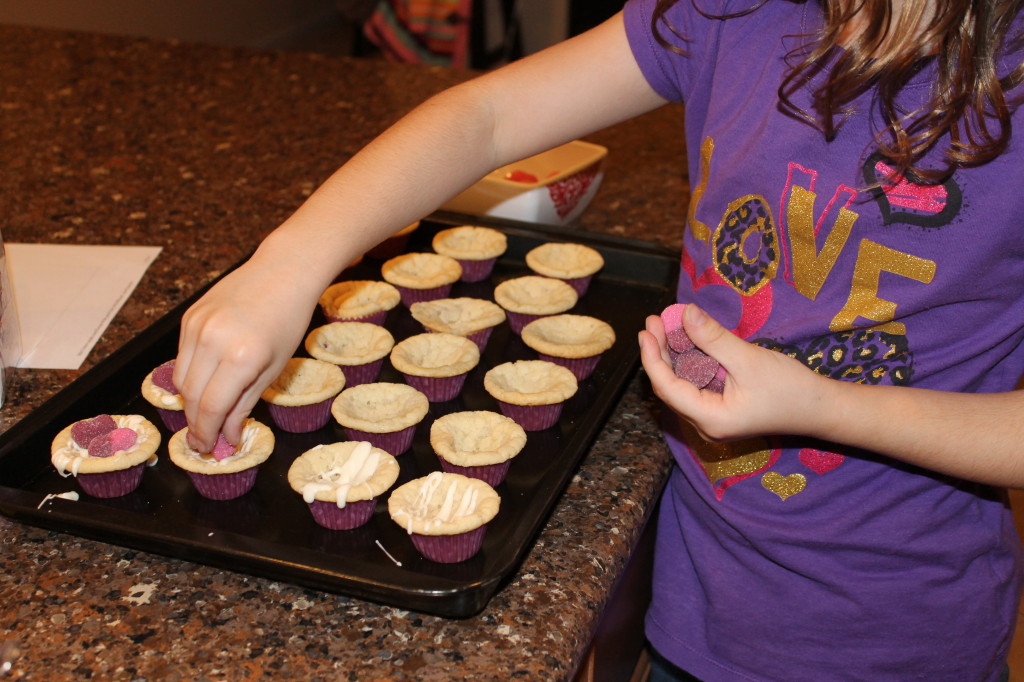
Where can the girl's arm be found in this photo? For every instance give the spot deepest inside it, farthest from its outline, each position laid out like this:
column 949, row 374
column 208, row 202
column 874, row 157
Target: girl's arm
column 973, row 436
column 235, row 340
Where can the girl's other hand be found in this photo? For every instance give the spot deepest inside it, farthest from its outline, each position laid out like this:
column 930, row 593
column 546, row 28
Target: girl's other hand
column 765, row 392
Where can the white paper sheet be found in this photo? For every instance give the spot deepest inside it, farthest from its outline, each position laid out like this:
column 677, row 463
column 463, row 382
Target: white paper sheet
column 67, row 295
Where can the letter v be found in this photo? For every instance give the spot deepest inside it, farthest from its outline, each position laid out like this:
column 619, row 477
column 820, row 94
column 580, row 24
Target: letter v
column 807, row 267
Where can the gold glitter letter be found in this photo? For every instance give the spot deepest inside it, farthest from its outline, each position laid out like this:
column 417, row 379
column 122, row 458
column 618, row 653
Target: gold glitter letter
column 872, row 260
column 810, row 266
column 699, row 229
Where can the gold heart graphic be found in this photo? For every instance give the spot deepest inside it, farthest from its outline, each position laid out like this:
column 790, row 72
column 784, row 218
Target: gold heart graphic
column 724, row 460
column 784, row 486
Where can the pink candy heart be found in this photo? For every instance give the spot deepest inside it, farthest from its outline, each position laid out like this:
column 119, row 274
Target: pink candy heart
column 112, row 442
column 696, row 367
column 672, row 320
column 83, row 432
column 163, row 376
column 222, row 449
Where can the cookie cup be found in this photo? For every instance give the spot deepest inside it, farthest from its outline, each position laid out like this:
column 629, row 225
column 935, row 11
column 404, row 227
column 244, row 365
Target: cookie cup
column 532, row 392
column 474, row 318
column 435, row 364
column 479, row 444
column 382, row 413
column 574, row 264
column 113, row 476
column 228, row 478
column 170, row 407
column 299, row 399
column 358, row 348
column 421, row 276
column 340, row 482
column 445, row 515
column 475, row 248
column 528, row 298
column 575, row 342
column 359, row 301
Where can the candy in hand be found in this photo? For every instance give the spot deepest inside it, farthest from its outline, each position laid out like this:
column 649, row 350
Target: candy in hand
column 717, row 384
column 688, row 361
column 696, row 366
column 222, row 449
column 672, row 320
column 83, row 432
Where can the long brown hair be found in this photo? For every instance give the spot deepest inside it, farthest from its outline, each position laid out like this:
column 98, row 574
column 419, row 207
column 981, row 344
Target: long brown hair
column 969, row 99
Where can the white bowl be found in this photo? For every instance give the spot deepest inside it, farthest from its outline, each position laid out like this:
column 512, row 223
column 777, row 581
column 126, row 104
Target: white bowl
column 553, row 187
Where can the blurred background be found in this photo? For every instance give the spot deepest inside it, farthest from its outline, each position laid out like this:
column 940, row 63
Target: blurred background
column 461, row 33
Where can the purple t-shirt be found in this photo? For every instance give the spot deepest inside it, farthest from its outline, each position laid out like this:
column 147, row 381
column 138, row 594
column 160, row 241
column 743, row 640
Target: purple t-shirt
column 788, row 559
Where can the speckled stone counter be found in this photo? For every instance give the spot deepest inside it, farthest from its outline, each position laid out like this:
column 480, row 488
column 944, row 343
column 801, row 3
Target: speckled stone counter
column 202, row 151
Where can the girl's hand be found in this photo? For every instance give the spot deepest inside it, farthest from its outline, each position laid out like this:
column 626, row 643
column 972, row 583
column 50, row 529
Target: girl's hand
column 234, row 342
column 765, row 392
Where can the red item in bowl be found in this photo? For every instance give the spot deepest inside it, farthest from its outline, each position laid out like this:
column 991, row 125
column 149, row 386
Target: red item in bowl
column 521, row 176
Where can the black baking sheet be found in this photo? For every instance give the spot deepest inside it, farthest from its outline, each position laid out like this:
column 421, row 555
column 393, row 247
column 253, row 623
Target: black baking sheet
column 269, row 531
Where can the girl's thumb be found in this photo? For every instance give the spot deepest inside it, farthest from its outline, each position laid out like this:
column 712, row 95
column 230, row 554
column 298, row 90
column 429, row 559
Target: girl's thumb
column 707, row 334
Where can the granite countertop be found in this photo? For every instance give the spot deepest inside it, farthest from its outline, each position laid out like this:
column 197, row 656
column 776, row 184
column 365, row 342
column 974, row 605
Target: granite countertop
column 203, row 150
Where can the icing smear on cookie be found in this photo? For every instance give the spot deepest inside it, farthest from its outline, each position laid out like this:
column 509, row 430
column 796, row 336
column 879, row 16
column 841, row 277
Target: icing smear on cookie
column 68, row 459
column 355, row 471
column 456, row 504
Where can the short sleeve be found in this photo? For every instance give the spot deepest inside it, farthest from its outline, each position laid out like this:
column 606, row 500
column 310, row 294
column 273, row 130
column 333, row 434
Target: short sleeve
column 669, row 72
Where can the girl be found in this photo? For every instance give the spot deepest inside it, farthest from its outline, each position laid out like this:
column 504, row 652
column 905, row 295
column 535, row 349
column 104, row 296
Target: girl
column 835, row 511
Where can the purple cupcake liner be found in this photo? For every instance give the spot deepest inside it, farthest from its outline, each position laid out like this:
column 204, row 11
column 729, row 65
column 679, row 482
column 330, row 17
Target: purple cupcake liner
column 112, row 483
column 449, row 549
column 580, row 284
column 378, row 318
column 580, row 367
column 532, row 417
column 410, row 296
column 477, row 270
column 174, row 420
column 481, row 338
column 352, row 515
column 367, row 373
column 301, row 418
column 394, row 443
column 491, row 474
column 437, row 389
column 224, row 486
column 519, row 320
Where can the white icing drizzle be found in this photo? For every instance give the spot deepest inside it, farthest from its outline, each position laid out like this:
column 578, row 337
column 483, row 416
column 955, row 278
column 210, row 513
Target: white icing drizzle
column 453, row 506
column 68, row 459
column 71, row 495
column 355, row 471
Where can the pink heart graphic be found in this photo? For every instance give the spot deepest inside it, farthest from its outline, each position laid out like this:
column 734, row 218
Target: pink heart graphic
column 819, row 461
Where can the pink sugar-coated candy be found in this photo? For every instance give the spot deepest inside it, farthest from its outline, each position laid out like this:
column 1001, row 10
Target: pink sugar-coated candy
column 672, row 319
column 696, row 367
column 163, row 377
column 85, row 431
column 222, row 449
column 679, row 341
column 112, row 442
